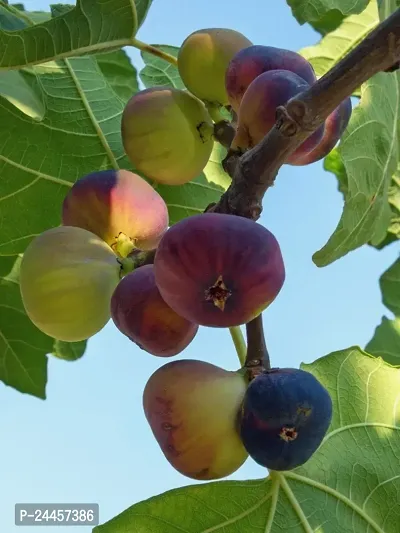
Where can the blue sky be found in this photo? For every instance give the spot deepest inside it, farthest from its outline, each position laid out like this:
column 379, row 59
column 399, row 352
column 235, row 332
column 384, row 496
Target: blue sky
column 89, row 441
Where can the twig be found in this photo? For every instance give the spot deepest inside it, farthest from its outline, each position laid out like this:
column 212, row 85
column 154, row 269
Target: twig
column 257, row 357
column 255, row 171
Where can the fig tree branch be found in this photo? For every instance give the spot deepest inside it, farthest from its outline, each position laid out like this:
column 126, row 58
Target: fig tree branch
column 255, row 171
column 257, row 357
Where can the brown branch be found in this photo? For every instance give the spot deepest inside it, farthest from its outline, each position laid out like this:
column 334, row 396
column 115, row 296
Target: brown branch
column 255, row 171
column 257, row 357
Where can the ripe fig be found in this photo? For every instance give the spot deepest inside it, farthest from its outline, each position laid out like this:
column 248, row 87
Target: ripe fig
column 203, row 59
column 140, row 313
column 254, row 60
column 286, row 413
column 67, row 277
column 192, row 408
column 335, row 125
column 257, row 112
column 119, row 207
column 167, row 134
column 218, row 270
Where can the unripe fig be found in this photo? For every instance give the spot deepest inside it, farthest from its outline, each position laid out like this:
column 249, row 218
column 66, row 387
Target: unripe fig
column 119, row 207
column 257, row 112
column 203, row 59
column 254, row 60
column 167, row 134
column 218, row 270
column 335, row 125
column 67, row 277
column 140, row 313
column 286, row 413
column 192, row 408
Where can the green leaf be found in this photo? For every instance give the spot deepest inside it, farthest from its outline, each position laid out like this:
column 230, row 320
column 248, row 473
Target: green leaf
column 386, row 341
column 369, row 150
column 315, row 10
column 337, row 44
column 112, row 24
column 158, row 71
column 16, row 87
column 120, row 73
column 328, row 22
column 390, row 287
column 23, row 348
column 80, row 133
column 69, row 351
column 350, row 485
column 142, row 8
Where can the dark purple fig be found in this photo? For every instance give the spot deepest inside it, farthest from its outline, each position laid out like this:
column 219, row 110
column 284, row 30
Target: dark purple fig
column 335, row 125
column 140, row 313
column 219, row 270
column 252, row 61
column 286, row 413
column 257, row 112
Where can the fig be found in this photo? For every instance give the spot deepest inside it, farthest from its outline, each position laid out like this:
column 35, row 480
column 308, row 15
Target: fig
column 257, row 113
column 67, row 278
column 140, row 313
column 335, row 125
column 254, row 60
column 167, row 134
column 192, row 408
column 218, row 270
column 285, row 415
column 119, row 207
column 203, row 59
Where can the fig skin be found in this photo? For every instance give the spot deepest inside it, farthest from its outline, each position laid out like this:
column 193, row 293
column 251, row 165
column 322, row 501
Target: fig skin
column 140, row 313
column 218, row 270
column 114, row 204
column 192, row 408
column 67, row 278
column 257, row 113
column 167, row 134
column 254, row 60
column 285, row 415
column 335, row 125
column 203, row 59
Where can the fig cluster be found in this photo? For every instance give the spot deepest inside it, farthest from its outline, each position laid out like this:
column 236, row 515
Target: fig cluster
column 208, row 270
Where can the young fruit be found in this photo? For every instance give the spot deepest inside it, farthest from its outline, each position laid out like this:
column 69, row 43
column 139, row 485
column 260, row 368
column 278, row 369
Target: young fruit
column 192, row 408
column 218, row 270
column 203, row 59
column 285, row 415
column 252, row 61
column 118, row 206
column 167, row 134
column 257, row 113
column 140, row 313
column 335, row 125
column 67, row 277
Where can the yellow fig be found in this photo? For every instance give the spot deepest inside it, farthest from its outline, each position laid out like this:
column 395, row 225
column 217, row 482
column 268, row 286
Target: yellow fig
column 192, row 408
column 67, row 278
column 167, row 134
column 204, row 58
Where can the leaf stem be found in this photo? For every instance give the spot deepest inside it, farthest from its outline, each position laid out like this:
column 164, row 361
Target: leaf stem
column 144, row 47
column 239, row 342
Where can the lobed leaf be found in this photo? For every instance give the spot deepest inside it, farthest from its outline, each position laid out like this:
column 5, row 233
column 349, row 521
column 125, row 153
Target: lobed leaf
column 386, row 341
column 350, row 485
column 315, row 10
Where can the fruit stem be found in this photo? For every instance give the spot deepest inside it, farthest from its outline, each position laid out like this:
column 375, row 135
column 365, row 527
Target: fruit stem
column 142, row 257
column 127, row 265
column 144, row 47
column 239, row 342
column 257, row 357
column 224, row 133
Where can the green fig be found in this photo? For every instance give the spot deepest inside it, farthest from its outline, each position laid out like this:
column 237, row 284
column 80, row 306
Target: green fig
column 167, row 134
column 67, row 278
column 204, row 58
